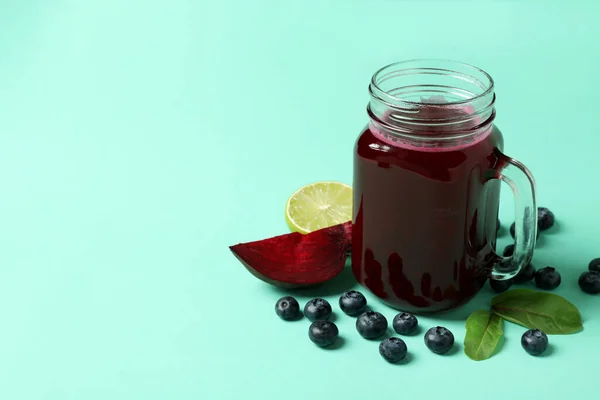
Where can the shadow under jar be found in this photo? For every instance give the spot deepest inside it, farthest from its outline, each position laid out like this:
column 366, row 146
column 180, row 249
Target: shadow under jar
column 427, row 174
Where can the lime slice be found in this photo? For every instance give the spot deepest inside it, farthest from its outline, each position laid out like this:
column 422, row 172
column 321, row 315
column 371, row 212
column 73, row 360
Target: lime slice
column 319, row 205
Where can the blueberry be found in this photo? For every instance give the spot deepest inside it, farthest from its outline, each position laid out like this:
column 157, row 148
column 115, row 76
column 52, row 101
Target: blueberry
column 508, row 250
column 589, row 282
column 393, row 349
column 317, row 309
column 353, row 303
column 526, row 274
column 323, row 333
column 547, row 278
column 371, row 325
column 405, row 323
column 288, row 308
column 534, row 341
column 512, row 232
column 594, row 265
column 545, row 218
column 500, row 286
column 439, row 340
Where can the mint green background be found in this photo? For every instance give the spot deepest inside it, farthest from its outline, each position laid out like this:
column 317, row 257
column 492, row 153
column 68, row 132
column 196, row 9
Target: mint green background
column 138, row 139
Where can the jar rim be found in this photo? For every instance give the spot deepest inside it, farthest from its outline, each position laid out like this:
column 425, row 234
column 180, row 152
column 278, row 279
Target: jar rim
column 465, row 71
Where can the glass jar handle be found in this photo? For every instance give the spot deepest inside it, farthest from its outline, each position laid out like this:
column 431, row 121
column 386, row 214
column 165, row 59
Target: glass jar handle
column 522, row 183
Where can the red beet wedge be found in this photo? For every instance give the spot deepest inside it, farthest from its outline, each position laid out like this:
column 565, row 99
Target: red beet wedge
column 296, row 260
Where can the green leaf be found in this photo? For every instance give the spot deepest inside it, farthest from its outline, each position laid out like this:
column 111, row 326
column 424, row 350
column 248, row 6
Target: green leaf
column 484, row 330
column 547, row 312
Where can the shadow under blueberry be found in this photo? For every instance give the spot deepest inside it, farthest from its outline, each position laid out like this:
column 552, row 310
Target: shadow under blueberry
column 455, row 348
column 339, row 342
column 368, row 308
column 540, row 241
column 333, row 317
column 388, row 334
column 417, row 332
column 407, row 359
column 556, row 228
column 300, row 317
column 549, row 351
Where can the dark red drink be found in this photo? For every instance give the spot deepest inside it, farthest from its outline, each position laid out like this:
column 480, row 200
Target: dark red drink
column 426, row 204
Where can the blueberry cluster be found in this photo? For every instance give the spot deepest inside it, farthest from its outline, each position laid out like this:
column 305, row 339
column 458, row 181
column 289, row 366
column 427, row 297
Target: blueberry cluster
column 547, row 278
column 589, row 281
column 370, row 325
column 373, row 325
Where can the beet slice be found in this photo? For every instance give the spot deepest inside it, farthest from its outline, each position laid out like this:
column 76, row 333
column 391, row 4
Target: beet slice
column 297, row 260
